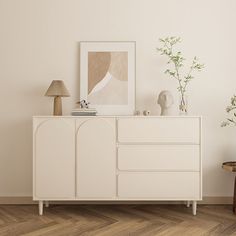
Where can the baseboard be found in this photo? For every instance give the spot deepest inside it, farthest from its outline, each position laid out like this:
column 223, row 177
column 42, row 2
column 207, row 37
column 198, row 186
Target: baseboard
column 217, row 200
column 16, row 200
column 29, row 201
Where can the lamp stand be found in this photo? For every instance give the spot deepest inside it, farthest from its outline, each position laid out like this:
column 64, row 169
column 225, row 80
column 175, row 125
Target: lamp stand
column 57, row 106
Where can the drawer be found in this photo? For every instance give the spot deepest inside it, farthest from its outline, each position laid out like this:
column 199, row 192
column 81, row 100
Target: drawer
column 159, row 157
column 159, row 185
column 159, row 129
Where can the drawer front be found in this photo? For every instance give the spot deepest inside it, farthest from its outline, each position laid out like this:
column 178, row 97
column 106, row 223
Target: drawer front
column 159, row 185
column 159, row 157
column 163, row 130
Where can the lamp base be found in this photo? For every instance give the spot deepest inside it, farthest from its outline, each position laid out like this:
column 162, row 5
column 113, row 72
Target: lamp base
column 57, row 111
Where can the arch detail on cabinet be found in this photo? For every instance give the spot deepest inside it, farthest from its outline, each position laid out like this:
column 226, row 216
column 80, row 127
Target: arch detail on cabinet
column 54, row 159
column 53, row 120
column 96, row 159
column 89, row 119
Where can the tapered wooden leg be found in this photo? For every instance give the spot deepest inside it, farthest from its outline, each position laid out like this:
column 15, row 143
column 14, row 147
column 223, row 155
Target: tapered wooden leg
column 234, row 202
column 46, row 203
column 40, row 208
column 188, row 204
column 194, row 207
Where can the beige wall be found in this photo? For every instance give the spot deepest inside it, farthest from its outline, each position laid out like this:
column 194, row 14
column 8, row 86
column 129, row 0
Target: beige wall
column 39, row 42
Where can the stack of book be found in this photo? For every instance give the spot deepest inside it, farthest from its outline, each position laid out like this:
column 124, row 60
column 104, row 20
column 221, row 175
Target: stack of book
column 84, row 112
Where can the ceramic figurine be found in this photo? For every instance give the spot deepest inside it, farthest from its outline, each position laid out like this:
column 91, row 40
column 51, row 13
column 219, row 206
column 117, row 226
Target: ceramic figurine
column 83, row 104
column 165, row 100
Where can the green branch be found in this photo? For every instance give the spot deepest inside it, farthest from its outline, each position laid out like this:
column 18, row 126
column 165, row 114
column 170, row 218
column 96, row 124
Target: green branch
column 177, row 60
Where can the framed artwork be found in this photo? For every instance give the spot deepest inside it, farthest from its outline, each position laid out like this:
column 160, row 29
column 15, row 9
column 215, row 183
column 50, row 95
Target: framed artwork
column 107, row 76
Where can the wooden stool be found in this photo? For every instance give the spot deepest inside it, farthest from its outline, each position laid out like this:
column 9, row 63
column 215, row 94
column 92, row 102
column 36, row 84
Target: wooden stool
column 231, row 166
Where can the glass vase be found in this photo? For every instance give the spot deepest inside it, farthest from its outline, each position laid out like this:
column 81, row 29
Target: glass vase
column 183, row 105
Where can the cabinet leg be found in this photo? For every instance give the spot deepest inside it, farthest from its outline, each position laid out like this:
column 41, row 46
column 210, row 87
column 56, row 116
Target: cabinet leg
column 194, row 207
column 188, row 204
column 47, row 204
column 40, row 208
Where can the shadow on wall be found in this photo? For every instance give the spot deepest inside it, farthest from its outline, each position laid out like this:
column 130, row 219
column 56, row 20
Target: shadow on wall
column 228, row 154
column 76, row 91
column 226, row 179
column 17, row 149
column 42, row 105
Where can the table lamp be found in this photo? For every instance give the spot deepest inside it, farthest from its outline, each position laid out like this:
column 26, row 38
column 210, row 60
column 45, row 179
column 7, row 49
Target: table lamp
column 57, row 89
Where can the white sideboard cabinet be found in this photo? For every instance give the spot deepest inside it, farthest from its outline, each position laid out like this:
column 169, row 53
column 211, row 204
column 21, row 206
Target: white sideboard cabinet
column 126, row 158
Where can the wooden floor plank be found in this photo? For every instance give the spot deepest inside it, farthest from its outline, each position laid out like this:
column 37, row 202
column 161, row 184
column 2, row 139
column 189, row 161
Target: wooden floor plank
column 117, row 220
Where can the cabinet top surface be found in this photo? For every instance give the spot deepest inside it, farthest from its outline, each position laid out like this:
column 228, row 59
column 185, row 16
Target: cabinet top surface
column 118, row 116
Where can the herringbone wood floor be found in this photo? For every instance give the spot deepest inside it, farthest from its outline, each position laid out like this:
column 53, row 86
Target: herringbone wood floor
column 117, row 220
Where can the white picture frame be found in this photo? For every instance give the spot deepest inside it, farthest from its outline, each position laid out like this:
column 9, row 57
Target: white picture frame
column 128, row 107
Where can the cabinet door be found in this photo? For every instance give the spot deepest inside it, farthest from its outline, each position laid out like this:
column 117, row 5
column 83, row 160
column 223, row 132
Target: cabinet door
column 96, row 162
column 54, row 159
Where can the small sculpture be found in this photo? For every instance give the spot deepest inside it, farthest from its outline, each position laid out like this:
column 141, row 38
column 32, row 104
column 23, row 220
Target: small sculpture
column 83, row 104
column 146, row 113
column 165, row 100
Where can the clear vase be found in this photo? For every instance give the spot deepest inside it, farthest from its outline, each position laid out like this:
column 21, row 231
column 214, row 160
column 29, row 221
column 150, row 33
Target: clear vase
column 183, row 105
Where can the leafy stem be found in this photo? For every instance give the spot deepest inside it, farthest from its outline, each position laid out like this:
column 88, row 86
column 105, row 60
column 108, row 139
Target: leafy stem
column 176, row 60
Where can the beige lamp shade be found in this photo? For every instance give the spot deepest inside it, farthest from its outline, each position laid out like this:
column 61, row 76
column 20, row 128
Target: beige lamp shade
column 57, row 88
